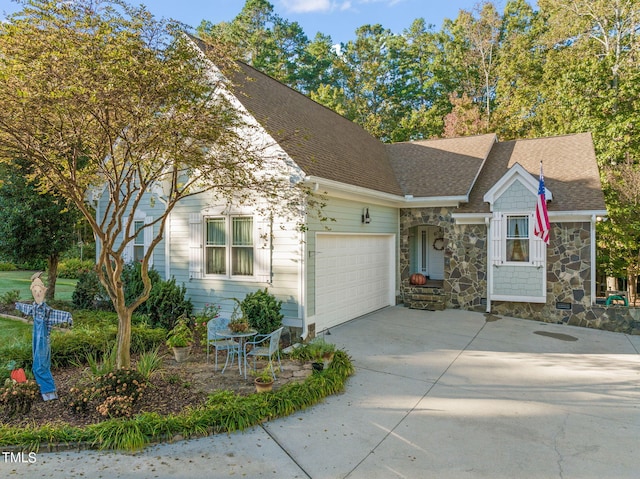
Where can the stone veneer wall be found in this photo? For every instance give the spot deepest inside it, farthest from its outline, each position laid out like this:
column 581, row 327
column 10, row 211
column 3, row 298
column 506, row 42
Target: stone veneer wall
column 568, row 277
column 465, row 256
column 568, row 274
column 411, row 217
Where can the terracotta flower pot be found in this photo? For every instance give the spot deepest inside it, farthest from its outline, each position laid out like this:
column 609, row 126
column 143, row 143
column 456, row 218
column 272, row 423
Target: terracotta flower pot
column 263, row 386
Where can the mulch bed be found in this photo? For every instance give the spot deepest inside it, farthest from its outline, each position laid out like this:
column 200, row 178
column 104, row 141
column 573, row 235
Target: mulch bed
column 175, row 387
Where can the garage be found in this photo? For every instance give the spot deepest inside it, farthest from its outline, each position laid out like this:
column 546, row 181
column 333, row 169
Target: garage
column 354, row 276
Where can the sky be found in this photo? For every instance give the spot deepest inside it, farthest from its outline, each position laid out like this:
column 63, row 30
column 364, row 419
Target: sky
column 337, row 18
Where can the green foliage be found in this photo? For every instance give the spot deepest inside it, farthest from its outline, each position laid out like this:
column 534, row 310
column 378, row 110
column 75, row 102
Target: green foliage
column 4, row 266
column 166, row 303
column 10, row 297
column 73, row 268
column 224, row 411
column 17, row 398
column 89, row 293
column 314, row 350
column 112, row 394
column 262, row 310
column 181, row 335
column 149, row 363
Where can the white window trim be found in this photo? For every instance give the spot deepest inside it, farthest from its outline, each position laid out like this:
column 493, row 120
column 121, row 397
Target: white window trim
column 262, row 247
column 128, row 253
column 505, row 217
column 229, row 247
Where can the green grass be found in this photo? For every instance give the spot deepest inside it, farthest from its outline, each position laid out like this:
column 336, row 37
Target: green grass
column 10, row 329
column 21, row 281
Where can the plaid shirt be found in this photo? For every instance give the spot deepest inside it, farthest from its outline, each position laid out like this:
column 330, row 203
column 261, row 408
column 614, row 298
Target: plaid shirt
column 44, row 312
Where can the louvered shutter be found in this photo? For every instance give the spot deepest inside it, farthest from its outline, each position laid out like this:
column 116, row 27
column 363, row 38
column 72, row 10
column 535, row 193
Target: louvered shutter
column 263, row 250
column 148, row 238
column 127, row 254
column 195, row 246
column 497, row 239
column 538, row 247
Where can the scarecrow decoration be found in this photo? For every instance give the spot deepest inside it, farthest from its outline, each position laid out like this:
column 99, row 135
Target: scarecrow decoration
column 44, row 318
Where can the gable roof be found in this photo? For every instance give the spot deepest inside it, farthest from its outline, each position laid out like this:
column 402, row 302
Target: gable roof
column 442, row 167
column 321, row 142
column 570, row 171
column 458, row 171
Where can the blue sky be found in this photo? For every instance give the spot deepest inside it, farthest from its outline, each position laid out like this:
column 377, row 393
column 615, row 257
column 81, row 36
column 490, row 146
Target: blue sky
column 338, row 18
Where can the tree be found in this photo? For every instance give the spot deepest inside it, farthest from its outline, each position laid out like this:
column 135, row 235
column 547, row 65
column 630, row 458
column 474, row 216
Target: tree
column 101, row 98
column 34, row 225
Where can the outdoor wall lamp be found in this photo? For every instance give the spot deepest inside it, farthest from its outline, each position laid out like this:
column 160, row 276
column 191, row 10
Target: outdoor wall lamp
column 366, row 219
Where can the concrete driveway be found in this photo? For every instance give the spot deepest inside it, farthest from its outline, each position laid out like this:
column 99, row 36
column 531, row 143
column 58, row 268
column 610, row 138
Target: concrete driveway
column 448, row 394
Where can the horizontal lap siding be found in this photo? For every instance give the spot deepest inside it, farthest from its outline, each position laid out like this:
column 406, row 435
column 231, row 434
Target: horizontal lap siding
column 347, row 215
column 286, row 254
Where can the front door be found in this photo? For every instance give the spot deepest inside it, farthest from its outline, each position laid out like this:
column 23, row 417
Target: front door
column 430, row 254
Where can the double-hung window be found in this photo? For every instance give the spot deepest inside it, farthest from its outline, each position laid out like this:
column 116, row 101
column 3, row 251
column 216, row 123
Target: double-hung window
column 138, row 241
column 517, row 237
column 229, row 246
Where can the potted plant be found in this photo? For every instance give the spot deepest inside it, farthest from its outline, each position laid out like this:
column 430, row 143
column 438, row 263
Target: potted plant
column 321, row 353
column 264, row 379
column 180, row 339
column 238, row 323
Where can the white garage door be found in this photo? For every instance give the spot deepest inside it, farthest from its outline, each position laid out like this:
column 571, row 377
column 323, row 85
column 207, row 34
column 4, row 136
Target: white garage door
column 354, row 276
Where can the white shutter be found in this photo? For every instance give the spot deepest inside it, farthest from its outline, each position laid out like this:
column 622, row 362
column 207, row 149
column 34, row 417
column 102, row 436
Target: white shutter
column 127, row 254
column 497, row 238
column 262, row 262
column 195, row 246
column 148, row 238
column 538, row 247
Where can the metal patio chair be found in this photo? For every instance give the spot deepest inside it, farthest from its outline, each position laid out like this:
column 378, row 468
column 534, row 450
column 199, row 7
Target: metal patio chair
column 264, row 345
column 220, row 343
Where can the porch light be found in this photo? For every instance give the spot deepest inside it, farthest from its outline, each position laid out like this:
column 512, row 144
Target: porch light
column 366, row 219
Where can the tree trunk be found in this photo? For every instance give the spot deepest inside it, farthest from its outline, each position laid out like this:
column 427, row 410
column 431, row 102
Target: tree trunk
column 52, row 276
column 124, row 337
column 632, row 287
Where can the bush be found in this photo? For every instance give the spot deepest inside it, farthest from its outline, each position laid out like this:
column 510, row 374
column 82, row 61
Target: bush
column 89, row 293
column 262, row 311
column 17, row 398
column 167, row 303
column 10, row 297
column 133, row 285
column 74, row 268
column 8, row 267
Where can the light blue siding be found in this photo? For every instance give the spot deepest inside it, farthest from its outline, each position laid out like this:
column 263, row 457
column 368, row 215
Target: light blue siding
column 348, row 219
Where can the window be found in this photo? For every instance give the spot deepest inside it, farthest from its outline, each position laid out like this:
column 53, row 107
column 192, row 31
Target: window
column 229, row 246
column 138, row 241
column 517, row 238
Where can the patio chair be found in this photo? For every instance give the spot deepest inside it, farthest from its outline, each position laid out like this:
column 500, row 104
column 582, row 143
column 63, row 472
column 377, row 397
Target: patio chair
column 264, row 345
column 219, row 343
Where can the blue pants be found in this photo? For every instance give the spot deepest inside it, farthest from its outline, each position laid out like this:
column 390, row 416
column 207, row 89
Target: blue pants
column 42, row 357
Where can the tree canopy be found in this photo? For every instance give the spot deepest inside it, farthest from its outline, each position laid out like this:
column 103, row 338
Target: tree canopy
column 101, row 98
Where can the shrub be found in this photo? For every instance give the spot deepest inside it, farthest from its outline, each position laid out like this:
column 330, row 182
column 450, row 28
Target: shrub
column 262, row 310
column 88, row 292
column 4, row 266
column 73, row 268
column 133, row 285
column 167, row 303
column 10, row 297
column 17, row 398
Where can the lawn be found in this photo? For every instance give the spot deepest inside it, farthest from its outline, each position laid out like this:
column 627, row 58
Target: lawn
column 21, row 281
column 10, row 329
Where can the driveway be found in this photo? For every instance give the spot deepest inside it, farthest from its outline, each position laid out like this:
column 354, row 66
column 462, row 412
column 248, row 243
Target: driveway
column 449, row 394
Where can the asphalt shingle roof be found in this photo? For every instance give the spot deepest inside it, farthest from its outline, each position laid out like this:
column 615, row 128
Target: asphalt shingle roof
column 326, row 145
column 444, row 167
column 570, row 171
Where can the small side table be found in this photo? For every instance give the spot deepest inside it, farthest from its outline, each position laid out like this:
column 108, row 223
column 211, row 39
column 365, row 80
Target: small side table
column 241, row 336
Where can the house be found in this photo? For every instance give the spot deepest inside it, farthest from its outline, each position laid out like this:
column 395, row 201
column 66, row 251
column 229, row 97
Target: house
column 457, row 210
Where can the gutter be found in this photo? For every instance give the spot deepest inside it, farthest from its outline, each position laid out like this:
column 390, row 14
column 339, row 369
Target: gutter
column 358, row 193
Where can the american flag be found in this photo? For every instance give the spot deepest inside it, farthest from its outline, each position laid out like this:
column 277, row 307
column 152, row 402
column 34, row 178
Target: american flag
column 542, row 226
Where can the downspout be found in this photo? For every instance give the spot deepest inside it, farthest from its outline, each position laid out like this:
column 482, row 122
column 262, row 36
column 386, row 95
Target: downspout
column 593, row 259
column 487, row 222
